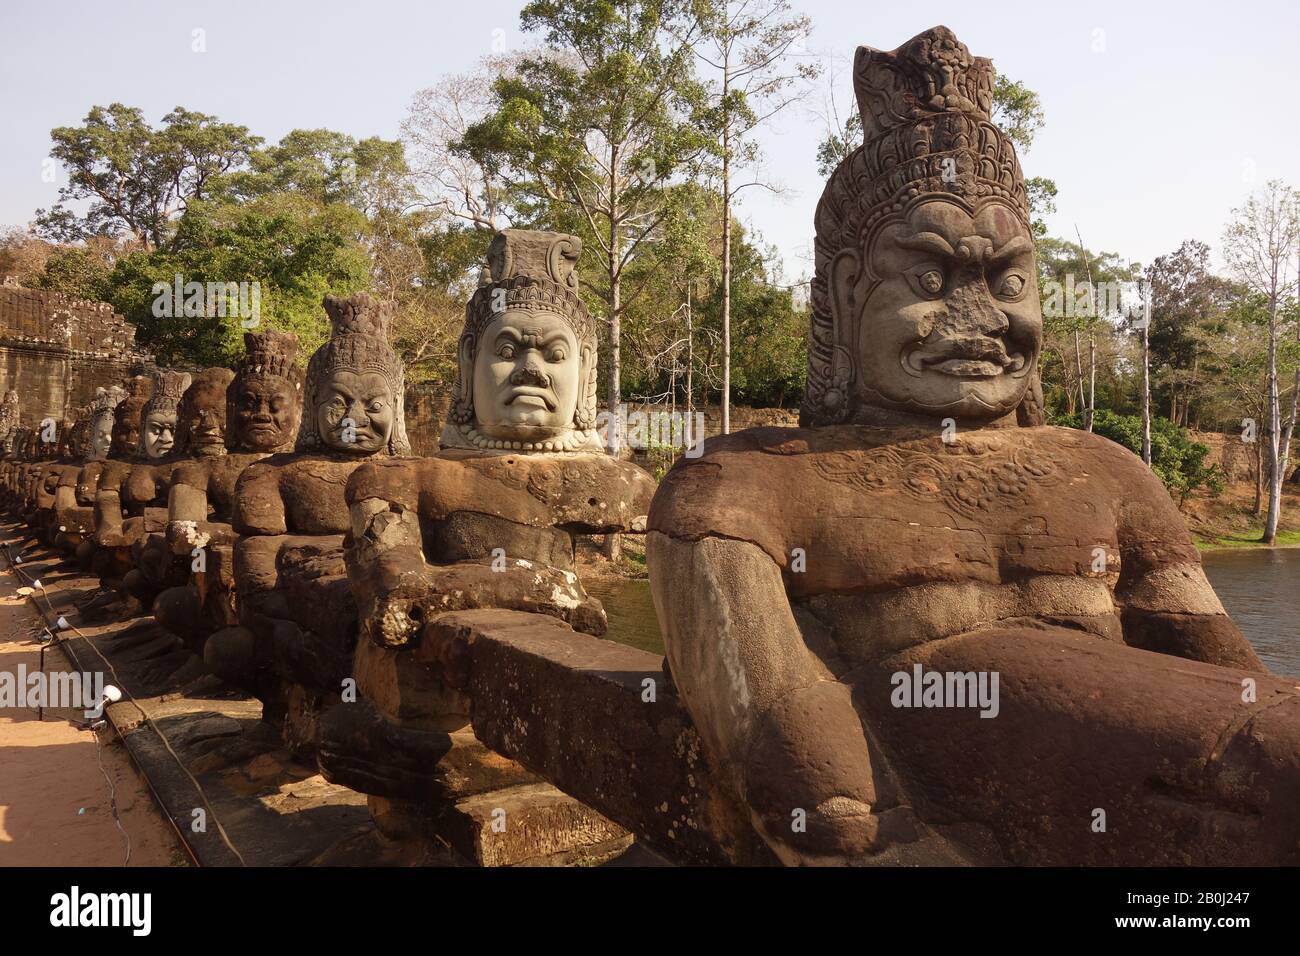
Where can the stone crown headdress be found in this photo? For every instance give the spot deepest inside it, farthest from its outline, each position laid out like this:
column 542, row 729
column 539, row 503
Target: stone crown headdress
column 358, row 343
column 270, row 353
column 168, row 387
column 927, row 131
column 530, row 270
column 267, row 354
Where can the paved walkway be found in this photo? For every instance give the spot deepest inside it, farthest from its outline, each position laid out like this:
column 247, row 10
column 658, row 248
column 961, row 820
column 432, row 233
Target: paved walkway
column 55, row 808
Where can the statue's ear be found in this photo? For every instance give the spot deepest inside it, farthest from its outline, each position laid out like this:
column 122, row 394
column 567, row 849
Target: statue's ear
column 847, row 284
column 584, row 416
column 463, row 399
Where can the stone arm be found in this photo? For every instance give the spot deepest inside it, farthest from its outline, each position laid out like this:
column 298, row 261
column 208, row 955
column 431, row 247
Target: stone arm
column 1167, row 604
column 145, row 485
column 774, row 719
column 108, row 508
column 188, row 509
column 48, row 485
column 65, row 494
column 259, row 503
column 69, row 512
column 397, row 589
column 87, row 482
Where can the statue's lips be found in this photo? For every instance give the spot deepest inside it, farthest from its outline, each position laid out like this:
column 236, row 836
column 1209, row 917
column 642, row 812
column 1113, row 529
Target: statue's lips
column 963, row 360
column 536, row 397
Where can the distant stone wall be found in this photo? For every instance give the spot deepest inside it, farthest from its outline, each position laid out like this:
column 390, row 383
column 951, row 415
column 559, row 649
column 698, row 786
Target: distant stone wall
column 55, row 351
column 742, row 416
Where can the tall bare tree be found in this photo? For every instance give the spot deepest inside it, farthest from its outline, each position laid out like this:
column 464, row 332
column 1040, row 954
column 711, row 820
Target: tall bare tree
column 1260, row 241
column 756, row 50
column 459, row 183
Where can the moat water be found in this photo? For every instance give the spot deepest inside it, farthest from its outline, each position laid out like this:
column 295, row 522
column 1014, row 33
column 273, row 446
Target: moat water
column 1259, row 587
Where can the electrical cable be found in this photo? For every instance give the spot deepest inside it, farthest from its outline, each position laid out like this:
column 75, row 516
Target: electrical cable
column 112, row 796
column 212, row 814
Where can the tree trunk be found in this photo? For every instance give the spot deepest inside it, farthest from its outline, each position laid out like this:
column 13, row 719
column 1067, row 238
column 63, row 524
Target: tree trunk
column 726, row 253
column 615, row 304
column 1289, row 431
column 1274, row 431
column 690, row 354
column 1146, row 387
column 1092, row 377
column 613, row 544
column 1078, row 365
column 1259, row 476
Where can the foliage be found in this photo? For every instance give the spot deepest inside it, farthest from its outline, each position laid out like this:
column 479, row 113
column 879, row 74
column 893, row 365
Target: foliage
column 1178, row 461
column 137, row 178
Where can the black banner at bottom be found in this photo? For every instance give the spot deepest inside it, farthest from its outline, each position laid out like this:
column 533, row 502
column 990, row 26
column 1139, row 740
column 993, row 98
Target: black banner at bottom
column 341, row 906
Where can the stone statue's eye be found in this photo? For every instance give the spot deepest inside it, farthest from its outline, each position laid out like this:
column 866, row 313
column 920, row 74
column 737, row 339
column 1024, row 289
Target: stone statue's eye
column 931, row 282
column 1012, row 285
column 506, row 351
column 557, row 355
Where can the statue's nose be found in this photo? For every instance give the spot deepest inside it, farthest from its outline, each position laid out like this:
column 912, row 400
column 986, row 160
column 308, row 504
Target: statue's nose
column 974, row 308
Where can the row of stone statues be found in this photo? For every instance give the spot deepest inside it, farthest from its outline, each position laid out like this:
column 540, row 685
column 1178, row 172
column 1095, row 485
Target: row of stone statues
column 216, row 500
column 922, row 521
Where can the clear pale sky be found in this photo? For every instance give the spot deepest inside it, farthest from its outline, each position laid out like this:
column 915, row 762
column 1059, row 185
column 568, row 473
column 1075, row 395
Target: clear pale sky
column 1151, row 140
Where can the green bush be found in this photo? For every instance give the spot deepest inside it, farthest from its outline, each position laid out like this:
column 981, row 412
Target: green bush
column 1177, row 460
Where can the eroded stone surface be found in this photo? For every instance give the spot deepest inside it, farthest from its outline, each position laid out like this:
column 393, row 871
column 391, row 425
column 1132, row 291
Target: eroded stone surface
column 924, row 517
column 489, row 523
column 296, row 617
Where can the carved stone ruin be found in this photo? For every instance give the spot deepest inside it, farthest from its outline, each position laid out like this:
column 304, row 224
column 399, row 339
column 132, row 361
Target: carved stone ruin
column 201, row 439
column 488, row 524
column 297, row 619
column 263, row 414
column 130, row 494
column 923, row 521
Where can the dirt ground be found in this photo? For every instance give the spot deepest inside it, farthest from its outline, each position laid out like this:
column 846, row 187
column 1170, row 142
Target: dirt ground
column 55, row 806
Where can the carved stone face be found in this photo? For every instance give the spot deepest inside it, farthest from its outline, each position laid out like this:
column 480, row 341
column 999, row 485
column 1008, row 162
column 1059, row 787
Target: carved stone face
column 266, row 413
column 202, row 418
column 527, row 375
column 158, row 433
column 126, row 428
column 954, row 326
column 101, row 436
column 354, row 412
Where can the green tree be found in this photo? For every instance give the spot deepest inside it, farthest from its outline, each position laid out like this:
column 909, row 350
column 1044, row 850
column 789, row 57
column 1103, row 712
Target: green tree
column 1189, row 311
column 1175, row 458
column 749, row 49
column 592, row 129
column 137, row 178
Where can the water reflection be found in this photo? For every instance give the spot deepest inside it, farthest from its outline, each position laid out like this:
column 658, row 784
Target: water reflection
column 631, row 612
column 1260, row 588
